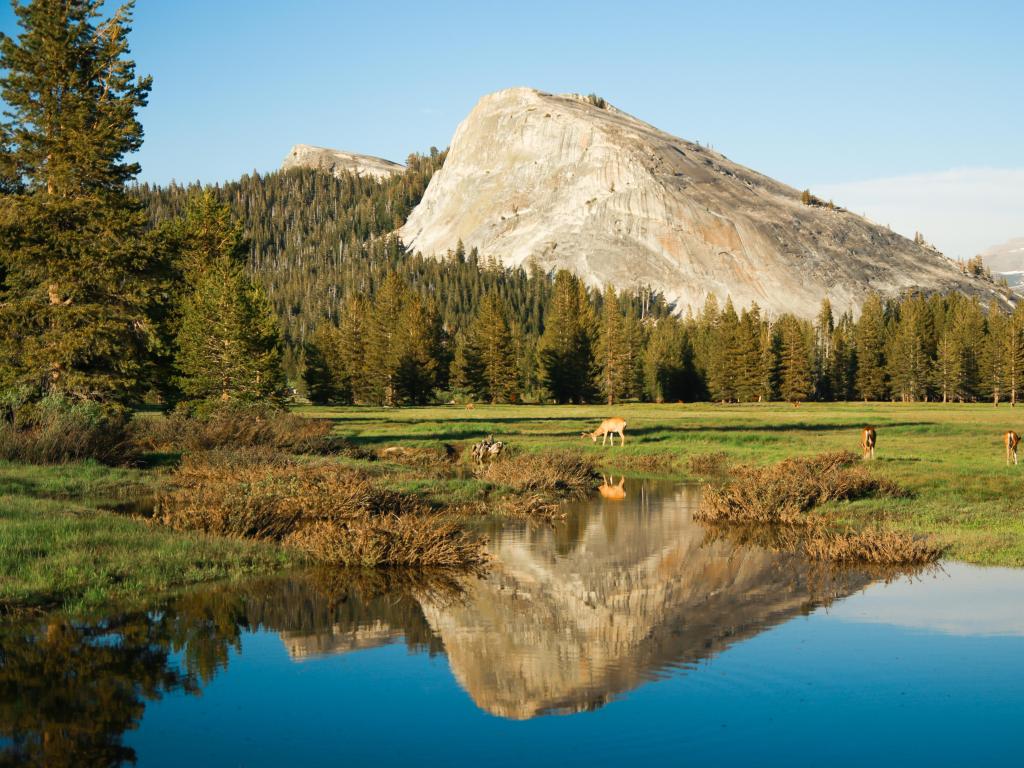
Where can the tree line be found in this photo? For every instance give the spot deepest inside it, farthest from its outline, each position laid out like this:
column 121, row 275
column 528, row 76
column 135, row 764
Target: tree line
column 600, row 346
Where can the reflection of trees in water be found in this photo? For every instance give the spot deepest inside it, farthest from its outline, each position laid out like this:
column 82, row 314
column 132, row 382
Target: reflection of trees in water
column 70, row 689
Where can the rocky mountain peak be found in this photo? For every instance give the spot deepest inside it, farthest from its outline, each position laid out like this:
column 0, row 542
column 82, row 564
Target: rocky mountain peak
column 337, row 162
column 569, row 181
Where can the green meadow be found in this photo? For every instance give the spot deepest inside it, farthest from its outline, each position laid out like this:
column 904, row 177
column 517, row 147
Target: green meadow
column 69, row 537
column 950, row 456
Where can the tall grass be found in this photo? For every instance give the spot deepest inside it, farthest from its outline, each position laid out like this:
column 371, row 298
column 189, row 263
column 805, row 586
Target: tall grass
column 335, row 515
column 240, row 425
column 787, row 491
column 774, row 506
column 563, row 472
column 57, row 430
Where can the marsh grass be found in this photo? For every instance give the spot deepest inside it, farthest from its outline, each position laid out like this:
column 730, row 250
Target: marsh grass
column 57, row 431
column 237, row 426
column 563, row 472
column 786, row 492
column 775, row 507
column 333, row 514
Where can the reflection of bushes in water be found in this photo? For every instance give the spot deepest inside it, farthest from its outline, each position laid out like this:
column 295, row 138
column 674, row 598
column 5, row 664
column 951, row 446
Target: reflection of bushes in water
column 709, row 465
column 335, row 515
column 872, row 545
column 70, row 689
column 828, row 579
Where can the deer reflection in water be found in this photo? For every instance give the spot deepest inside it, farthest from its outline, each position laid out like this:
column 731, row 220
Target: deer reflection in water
column 611, row 490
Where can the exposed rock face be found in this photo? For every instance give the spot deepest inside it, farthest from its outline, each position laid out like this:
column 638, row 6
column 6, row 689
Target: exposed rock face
column 337, row 162
column 597, row 191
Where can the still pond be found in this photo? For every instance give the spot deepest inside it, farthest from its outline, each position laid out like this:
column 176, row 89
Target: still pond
column 625, row 633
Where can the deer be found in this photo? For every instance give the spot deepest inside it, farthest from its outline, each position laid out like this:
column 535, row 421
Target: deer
column 612, row 492
column 1012, row 440
column 608, row 428
column 867, row 442
column 470, row 406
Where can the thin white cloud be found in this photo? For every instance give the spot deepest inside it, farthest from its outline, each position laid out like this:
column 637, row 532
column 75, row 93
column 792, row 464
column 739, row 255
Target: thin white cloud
column 961, row 211
column 960, row 600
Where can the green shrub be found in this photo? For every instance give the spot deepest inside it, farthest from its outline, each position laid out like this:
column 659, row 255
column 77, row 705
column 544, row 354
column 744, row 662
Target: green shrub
column 235, row 425
column 58, row 429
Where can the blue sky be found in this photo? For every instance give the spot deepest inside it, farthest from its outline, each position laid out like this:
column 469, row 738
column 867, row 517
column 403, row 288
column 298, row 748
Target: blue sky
column 816, row 94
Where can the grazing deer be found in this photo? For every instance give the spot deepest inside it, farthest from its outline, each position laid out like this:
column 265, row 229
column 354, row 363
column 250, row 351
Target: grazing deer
column 867, row 442
column 1012, row 440
column 470, row 406
column 612, row 492
column 609, row 428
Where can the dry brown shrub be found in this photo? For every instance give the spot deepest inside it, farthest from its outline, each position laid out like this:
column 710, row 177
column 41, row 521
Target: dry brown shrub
column 786, row 492
column 335, row 515
column 421, row 458
column 562, row 472
column 872, row 545
column 709, row 464
column 236, row 426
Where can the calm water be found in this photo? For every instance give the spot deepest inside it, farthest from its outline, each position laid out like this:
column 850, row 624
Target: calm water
column 624, row 633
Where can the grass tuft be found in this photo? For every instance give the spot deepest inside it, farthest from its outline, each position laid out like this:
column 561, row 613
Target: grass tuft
column 784, row 493
column 335, row 515
column 562, row 472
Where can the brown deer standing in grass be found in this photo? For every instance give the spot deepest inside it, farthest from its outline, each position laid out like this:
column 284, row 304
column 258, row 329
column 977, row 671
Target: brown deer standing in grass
column 616, row 492
column 1012, row 440
column 470, row 406
column 609, row 428
column 867, row 442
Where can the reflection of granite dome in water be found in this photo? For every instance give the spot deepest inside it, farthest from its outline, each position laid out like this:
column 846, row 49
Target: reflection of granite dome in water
column 572, row 617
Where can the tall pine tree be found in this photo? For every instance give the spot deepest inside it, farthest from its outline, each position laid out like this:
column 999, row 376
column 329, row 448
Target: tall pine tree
column 78, row 277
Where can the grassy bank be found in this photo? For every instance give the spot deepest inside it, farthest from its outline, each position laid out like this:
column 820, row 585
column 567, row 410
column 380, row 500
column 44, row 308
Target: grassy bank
column 62, row 545
column 950, row 457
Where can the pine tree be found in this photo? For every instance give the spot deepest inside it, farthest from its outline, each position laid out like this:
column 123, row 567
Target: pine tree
column 870, row 341
column 351, row 348
column 723, row 360
column 824, row 354
column 326, row 378
column 229, row 347
column 496, row 352
column 909, row 355
column 748, row 355
column 668, row 363
column 614, row 358
column 467, row 371
column 383, row 345
column 567, row 358
column 78, row 278
column 795, row 383
column 768, row 363
column 421, row 354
